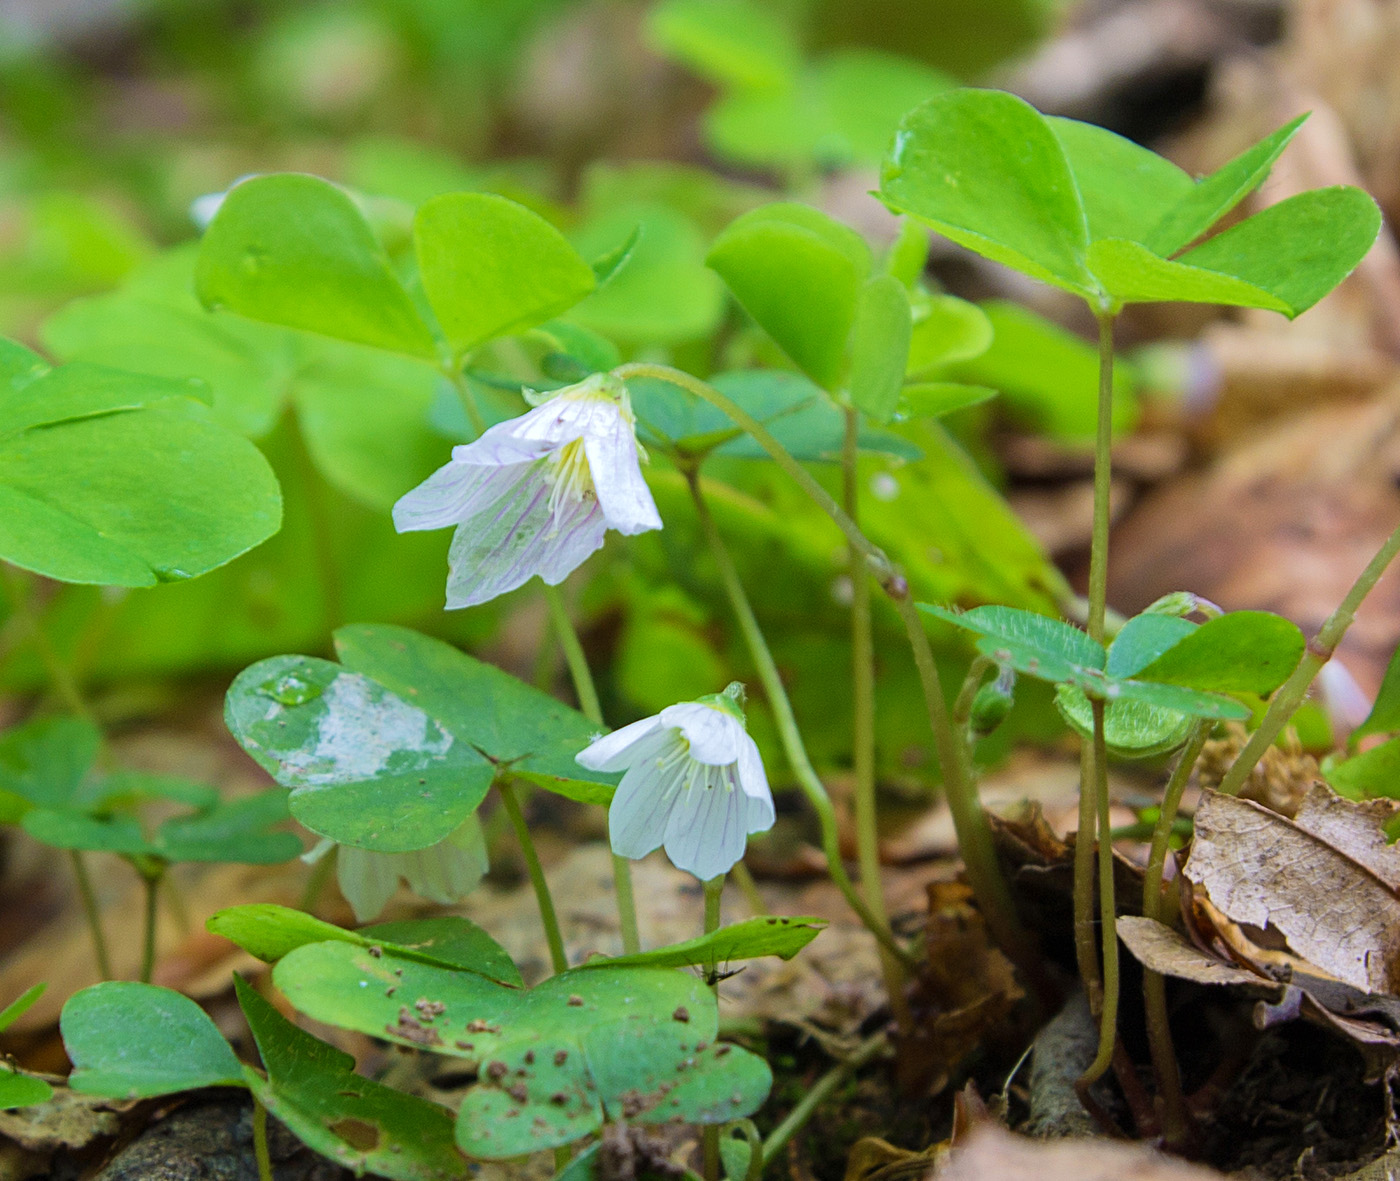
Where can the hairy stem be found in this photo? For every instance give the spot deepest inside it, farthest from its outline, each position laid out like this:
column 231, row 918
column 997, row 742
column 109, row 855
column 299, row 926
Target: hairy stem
column 93, row 913
column 863, row 729
column 264, row 1158
column 548, row 918
column 1175, row 1127
column 818, row 1094
column 788, row 731
column 1289, row 696
column 587, row 693
column 1108, row 911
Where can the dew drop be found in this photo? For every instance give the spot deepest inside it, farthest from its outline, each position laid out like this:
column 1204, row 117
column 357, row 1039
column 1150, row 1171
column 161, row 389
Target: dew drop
column 291, row 689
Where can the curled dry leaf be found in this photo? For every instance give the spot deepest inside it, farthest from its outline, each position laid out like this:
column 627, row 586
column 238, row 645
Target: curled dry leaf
column 1328, row 881
column 1157, row 947
column 995, row 1155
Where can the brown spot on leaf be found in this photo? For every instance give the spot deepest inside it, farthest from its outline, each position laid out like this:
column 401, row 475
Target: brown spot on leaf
column 357, row 1133
column 681, row 1014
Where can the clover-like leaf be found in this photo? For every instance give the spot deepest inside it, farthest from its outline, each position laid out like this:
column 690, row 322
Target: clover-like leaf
column 361, row 1124
column 133, row 1041
column 295, row 250
column 783, row 936
column 1240, row 652
column 1044, row 648
column 879, row 347
column 22, row 1090
column 491, row 267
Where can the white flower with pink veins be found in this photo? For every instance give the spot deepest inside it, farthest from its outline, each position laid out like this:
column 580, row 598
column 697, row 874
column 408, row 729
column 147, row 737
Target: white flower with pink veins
column 537, row 494
column 695, row 783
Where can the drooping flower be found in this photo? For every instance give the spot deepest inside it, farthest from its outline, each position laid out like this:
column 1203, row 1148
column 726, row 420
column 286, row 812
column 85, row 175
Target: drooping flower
column 535, row 495
column 694, row 783
column 444, row 873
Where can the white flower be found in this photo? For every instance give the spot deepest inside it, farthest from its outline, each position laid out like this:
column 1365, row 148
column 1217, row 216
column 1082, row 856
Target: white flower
column 694, row 783
column 535, row 495
column 442, row 873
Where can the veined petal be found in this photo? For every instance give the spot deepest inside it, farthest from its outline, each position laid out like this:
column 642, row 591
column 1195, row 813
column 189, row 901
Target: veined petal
column 752, row 777
column 617, row 475
column 713, row 735
column 455, row 492
column 642, row 804
column 499, row 549
column 617, row 751
column 367, row 879
column 500, row 446
column 707, row 830
column 449, row 870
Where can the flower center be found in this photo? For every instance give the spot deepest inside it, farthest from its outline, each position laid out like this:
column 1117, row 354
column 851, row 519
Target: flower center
column 569, row 476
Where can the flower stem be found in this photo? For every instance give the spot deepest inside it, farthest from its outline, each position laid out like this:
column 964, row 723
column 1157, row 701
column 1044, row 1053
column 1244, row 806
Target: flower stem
column 93, row 913
column 788, row 732
column 1108, row 912
column 1103, row 474
column 1175, row 1128
column 1290, row 694
column 587, row 693
column 748, row 888
column 453, row 372
column 863, row 729
column 151, row 880
column 709, row 1137
column 264, row 1158
column 818, row 1094
column 548, row 918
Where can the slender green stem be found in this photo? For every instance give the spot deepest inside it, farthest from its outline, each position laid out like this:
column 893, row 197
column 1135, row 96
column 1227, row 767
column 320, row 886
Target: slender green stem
column 818, row 1094
column 863, row 728
column 260, row 1151
column 962, row 705
column 175, row 901
column 880, row 565
column 748, row 888
column 1086, row 947
column 1103, row 475
column 709, row 1137
column 19, row 590
column 788, row 731
column 969, row 821
column 151, row 880
column 1108, row 910
column 1175, row 1125
column 548, row 918
column 1289, row 696
column 93, row 913
column 587, row 693
column 453, row 372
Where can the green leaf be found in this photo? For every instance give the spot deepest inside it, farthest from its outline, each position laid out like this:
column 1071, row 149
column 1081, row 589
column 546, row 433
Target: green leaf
column 782, row 936
column 1047, row 649
column 729, row 42
column 1142, row 639
column 270, row 932
column 1132, row 729
column 19, row 365
column 1210, row 199
column 864, row 93
column 607, row 264
column 1167, row 697
column 1241, row 652
column 20, row 1006
column 509, row 721
column 934, row 399
column 20, row 1090
column 131, row 497
column 1133, row 274
column 46, row 760
column 879, row 347
column 360, row 1124
column 984, row 169
column 946, row 330
column 366, row 766
column 1372, row 773
column 1299, row 249
column 1384, row 717
column 799, row 274
column 491, row 267
column 1126, row 189
column 134, row 1041
column 78, row 391
column 295, row 250
column 234, row 831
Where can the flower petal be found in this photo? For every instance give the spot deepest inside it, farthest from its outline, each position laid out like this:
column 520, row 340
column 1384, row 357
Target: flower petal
column 641, row 807
column 617, row 751
column 367, row 879
column 449, row 870
column 617, row 475
column 752, row 777
column 713, row 734
column 707, row 830
column 497, row 550
column 453, row 493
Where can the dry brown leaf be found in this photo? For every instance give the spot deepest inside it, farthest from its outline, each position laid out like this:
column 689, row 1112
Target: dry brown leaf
column 995, row 1155
column 1158, row 947
column 1326, row 881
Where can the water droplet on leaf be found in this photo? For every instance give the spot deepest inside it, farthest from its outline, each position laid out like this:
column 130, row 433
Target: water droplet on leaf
column 291, row 689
